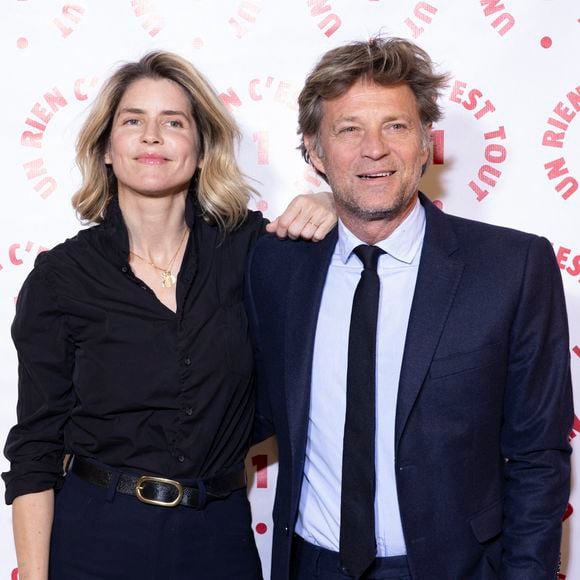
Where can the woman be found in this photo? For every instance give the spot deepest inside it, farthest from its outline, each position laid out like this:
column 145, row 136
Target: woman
column 133, row 351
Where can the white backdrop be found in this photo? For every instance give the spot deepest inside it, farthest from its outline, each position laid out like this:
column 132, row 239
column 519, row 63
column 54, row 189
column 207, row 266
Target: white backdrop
column 505, row 153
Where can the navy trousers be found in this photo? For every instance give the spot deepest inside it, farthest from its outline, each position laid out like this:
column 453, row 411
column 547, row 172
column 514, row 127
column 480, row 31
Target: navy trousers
column 313, row 563
column 102, row 535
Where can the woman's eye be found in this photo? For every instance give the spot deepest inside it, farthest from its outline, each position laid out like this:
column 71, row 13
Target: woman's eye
column 130, row 121
column 175, row 123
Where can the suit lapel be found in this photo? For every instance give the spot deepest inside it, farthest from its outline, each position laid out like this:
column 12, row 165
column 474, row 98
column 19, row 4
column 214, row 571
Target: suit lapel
column 438, row 277
column 305, row 294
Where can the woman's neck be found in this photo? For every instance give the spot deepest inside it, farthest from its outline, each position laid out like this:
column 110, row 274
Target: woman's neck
column 156, row 226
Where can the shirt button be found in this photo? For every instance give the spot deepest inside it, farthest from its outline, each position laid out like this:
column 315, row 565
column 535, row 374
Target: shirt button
column 189, row 411
column 124, row 269
column 187, row 361
column 180, row 458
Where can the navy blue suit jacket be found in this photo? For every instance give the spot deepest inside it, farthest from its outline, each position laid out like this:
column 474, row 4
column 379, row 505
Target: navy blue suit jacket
column 484, row 404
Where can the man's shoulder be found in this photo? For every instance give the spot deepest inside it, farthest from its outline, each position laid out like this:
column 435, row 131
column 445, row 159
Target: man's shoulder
column 274, row 263
column 468, row 226
column 486, row 247
column 273, row 259
column 269, row 244
column 470, row 230
column 480, row 236
column 499, row 250
column 269, row 247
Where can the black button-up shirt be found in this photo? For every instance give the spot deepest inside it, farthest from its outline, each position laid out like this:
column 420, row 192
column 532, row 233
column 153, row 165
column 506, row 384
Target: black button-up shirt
column 106, row 371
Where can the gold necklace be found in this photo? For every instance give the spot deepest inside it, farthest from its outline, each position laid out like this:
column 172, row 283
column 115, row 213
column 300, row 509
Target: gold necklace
column 167, row 278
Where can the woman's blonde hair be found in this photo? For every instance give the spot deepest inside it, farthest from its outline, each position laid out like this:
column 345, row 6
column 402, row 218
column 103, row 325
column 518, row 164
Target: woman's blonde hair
column 221, row 189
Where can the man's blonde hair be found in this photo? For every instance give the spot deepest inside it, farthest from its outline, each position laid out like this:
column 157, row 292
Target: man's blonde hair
column 382, row 61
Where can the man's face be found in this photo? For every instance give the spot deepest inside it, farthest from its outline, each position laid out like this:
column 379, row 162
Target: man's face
column 372, row 148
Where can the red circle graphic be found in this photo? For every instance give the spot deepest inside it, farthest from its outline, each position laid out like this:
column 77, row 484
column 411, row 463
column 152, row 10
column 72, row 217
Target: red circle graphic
column 261, row 528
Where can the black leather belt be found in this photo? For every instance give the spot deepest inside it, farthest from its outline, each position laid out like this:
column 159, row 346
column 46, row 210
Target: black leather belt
column 160, row 491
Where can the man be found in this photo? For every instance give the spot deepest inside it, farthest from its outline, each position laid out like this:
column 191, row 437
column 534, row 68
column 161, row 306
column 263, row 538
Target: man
column 433, row 446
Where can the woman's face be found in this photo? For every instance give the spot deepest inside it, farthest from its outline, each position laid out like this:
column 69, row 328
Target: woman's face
column 153, row 147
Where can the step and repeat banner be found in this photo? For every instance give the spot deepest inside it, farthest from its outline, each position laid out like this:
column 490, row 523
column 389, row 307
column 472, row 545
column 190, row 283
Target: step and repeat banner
column 507, row 151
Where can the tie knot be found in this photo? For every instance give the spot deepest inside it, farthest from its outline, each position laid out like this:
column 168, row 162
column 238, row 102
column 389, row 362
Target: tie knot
column 369, row 256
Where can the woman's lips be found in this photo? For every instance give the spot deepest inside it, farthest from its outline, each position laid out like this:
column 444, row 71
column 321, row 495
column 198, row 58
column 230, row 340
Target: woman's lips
column 151, row 159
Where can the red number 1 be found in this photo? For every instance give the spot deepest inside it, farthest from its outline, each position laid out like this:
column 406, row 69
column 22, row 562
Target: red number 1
column 260, row 462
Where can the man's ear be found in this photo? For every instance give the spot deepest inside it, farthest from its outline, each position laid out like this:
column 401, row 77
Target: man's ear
column 427, row 132
column 313, row 153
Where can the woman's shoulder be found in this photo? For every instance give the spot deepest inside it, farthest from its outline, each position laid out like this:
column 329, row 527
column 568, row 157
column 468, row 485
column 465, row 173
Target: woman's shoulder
column 250, row 227
column 255, row 221
column 64, row 250
column 67, row 254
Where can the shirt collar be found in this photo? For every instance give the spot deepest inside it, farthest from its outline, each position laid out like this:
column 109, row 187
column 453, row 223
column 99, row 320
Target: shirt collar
column 403, row 244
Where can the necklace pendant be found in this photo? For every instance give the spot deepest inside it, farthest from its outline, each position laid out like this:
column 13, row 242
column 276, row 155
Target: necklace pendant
column 167, row 279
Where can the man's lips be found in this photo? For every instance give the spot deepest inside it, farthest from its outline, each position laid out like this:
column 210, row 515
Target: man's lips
column 375, row 174
column 151, row 159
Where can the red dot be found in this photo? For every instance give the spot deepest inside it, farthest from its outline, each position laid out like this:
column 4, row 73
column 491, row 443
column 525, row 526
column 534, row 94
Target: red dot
column 261, row 528
column 438, row 204
column 568, row 512
column 546, row 42
column 22, row 42
column 262, row 205
column 197, row 42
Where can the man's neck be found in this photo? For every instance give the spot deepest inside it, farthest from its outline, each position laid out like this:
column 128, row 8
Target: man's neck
column 373, row 231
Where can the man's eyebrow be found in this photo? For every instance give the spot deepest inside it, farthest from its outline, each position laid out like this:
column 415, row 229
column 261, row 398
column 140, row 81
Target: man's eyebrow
column 348, row 119
column 356, row 118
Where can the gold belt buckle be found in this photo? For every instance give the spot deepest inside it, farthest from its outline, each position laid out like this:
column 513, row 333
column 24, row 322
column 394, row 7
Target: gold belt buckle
column 144, row 478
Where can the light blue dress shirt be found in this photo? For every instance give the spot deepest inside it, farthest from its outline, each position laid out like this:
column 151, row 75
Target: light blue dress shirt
column 319, row 509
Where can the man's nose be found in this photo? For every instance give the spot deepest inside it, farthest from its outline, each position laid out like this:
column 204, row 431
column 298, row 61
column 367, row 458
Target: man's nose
column 374, row 144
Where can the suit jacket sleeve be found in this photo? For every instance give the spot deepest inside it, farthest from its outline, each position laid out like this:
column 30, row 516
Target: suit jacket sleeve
column 538, row 416
column 263, row 424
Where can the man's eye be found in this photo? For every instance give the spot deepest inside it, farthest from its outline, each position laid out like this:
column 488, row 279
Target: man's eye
column 348, row 129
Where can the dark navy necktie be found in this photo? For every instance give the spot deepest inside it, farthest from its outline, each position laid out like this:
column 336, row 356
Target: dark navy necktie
column 357, row 511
